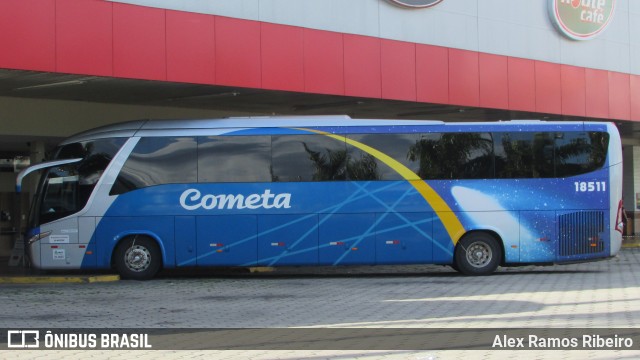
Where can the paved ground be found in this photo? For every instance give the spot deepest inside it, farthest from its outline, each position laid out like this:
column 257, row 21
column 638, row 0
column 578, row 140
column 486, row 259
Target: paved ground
column 594, row 295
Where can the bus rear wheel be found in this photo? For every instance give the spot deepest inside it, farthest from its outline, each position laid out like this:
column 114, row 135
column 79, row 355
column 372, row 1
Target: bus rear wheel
column 137, row 258
column 478, row 254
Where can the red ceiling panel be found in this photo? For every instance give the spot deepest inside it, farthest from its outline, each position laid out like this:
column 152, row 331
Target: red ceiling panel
column 84, row 37
column 597, row 93
column 464, row 78
column 548, row 89
column 27, row 34
column 282, row 57
column 573, row 90
column 634, row 85
column 522, row 84
column 494, row 81
column 398, row 64
column 238, row 52
column 621, row 96
column 190, row 47
column 139, row 46
column 362, row 66
column 323, row 62
column 432, row 74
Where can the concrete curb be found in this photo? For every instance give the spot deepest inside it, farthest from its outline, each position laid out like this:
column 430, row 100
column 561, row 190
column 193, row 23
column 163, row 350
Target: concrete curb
column 630, row 241
column 57, row 279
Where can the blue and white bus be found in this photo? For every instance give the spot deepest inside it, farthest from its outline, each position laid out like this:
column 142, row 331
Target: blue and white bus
column 279, row 191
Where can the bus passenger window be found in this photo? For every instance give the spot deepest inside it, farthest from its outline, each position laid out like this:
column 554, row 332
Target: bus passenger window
column 543, row 155
column 472, row 155
column 234, row 159
column 363, row 166
column 579, row 153
column 157, row 161
column 513, row 155
column 453, row 156
column 308, row 158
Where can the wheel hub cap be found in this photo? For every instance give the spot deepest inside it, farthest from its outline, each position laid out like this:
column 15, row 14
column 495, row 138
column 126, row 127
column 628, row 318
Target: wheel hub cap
column 137, row 258
column 479, row 254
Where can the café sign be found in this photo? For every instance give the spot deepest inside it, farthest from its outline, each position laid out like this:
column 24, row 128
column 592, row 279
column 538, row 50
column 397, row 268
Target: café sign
column 581, row 19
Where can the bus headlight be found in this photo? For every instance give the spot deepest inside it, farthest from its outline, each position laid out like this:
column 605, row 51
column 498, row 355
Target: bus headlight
column 38, row 237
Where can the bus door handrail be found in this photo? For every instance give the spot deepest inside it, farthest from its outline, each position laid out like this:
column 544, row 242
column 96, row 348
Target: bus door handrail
column 44, row 165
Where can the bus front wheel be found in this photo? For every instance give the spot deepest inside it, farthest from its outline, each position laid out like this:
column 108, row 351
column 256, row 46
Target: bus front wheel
column 137, row 258
column 478, row 254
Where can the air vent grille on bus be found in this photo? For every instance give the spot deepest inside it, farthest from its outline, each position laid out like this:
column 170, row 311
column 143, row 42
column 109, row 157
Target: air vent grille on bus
column 580, row 233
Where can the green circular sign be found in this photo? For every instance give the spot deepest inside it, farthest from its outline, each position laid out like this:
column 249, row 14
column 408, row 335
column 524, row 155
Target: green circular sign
column 581, row 19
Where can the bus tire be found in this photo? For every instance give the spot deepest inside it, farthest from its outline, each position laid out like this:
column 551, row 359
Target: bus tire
column 478, row 254
column 454, row 266
column 137, row 258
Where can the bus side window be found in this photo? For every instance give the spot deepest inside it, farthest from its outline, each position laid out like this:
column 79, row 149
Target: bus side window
column 453, row 156
column 157, row 161
column 308, row 158
column 543, row 155
column 470, row 155
column 363, row 166
column 578, row 153
column 234, row 159
column 426, row 152
column 513, row 155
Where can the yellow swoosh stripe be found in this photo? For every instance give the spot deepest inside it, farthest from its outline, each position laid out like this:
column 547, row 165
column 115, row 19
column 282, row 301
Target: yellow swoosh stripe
column 443, row 211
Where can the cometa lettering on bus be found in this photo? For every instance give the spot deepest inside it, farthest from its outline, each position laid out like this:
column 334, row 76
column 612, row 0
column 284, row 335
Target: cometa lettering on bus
column 192, row 199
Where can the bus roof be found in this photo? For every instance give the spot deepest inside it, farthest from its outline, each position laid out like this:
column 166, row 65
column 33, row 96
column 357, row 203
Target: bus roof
column 132, row 128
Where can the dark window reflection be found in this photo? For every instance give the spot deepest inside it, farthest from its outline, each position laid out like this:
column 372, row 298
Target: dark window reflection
column 363, row 166
column 548, row 154
column 156, row 161
column 453, row 156
column 234, row 159
column 308, row 158
column 579, row 153
column 292, row 158
column 543, row 155
column 65, row 190
column 514, row 155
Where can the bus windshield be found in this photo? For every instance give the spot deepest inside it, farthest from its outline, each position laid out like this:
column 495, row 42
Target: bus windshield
column 64, row 190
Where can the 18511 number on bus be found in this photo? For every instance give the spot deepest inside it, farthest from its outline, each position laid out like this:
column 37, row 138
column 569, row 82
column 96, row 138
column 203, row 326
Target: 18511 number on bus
column 590, row 186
